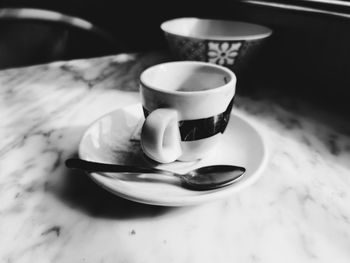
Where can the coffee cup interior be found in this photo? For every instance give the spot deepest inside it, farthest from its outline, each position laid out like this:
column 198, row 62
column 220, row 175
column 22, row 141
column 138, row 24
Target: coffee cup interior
column 185, row 77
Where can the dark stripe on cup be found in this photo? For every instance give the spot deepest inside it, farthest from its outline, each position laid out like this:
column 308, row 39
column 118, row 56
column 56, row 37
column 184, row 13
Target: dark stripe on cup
column 192, row 130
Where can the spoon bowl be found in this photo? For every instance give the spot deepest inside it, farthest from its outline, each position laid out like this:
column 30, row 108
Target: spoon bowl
column 204, row 178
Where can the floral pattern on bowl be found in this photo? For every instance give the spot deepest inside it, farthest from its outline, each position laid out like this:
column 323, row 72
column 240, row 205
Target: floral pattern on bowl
column 187, row 49
column 223, row 42
column 232, row 54
column 223, row 53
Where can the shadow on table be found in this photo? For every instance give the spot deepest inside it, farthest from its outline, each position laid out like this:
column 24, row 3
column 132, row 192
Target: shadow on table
column 78, row 191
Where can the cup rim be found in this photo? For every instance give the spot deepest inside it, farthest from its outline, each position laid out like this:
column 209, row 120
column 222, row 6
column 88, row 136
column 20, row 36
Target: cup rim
column 232, row 81
column 268, row 31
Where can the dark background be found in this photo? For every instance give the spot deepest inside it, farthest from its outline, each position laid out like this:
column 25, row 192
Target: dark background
column 308, row 55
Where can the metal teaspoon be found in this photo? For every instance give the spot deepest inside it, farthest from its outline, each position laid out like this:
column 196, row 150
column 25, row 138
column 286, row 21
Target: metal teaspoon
column 204, row 178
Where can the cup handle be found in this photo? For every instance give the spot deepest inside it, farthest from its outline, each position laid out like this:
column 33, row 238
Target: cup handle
column 160, row 136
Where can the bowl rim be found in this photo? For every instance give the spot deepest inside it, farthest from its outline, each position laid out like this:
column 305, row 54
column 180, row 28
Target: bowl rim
column 268, row 31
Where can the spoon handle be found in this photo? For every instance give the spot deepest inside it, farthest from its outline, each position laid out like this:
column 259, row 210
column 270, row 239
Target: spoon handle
column 110, row 168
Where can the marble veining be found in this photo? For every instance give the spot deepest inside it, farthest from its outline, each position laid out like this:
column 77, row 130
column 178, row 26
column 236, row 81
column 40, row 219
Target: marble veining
column 298, row 211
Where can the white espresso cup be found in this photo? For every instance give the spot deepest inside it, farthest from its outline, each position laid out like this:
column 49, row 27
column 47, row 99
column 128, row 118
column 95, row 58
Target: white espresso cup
column 187, row 106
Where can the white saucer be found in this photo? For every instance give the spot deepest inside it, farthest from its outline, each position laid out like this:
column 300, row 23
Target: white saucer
column 114, row 138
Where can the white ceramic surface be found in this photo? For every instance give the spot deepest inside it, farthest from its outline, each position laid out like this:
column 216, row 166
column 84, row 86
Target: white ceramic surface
column 197, row 92
column 114, row 139
column 227, row 43
column 160, row 84
column 213, row 29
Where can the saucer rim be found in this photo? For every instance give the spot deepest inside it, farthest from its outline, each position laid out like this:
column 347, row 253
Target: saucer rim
column 203, row 196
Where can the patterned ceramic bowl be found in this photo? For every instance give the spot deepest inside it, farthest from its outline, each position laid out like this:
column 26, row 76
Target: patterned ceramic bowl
column 227, row 43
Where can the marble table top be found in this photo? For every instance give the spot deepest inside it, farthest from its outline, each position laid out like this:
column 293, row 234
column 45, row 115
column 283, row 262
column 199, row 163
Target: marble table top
column 298, row 211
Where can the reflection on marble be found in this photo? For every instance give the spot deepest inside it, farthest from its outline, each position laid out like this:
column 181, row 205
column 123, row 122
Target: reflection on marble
column 298, row 211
